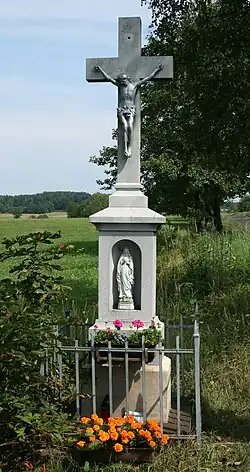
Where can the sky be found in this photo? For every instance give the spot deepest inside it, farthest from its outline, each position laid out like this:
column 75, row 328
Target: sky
column 51, row 119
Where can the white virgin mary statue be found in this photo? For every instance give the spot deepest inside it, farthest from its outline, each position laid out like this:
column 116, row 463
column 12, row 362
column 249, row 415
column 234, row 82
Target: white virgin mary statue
column 125, row 280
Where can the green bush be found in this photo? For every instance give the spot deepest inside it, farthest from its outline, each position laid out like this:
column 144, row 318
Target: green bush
column 42, row 217
column 30, row 416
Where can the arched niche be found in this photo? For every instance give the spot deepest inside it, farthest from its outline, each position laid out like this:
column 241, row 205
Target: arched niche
column 135, row 251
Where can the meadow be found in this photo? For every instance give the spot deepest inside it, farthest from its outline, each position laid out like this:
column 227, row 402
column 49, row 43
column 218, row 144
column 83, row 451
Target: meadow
column 212, row 269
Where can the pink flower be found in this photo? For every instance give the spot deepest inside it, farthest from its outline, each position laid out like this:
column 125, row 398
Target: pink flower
column 109, row 330
column 153, row 324
column 118, row 324
column 137, row 324
column 96, row 326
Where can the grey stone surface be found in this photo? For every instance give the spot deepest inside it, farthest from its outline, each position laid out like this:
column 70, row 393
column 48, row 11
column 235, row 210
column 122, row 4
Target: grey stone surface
column 116, row 216
column 142, row 245
column 135, row 399
column 126, row 111
column 131, row 62
column 128, row 222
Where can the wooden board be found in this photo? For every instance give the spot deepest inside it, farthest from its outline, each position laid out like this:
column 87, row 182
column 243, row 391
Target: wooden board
column 185, row 417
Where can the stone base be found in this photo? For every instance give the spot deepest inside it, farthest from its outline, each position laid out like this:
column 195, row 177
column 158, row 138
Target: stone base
column 135, row 400
column 126, row 305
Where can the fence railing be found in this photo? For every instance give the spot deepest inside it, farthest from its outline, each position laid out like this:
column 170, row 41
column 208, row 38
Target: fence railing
column 91, row 359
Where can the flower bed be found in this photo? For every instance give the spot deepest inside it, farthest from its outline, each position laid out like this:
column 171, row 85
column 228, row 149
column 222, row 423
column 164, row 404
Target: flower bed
column 118, row 439
column 152, row 335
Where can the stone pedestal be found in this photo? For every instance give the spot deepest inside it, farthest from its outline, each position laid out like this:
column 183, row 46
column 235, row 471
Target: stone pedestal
column 129, row 223
column 135, row 228
column 135, row 399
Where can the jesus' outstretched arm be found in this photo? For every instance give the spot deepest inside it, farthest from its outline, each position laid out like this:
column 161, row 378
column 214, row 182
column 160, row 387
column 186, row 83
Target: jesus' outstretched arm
column 151, row 76
column 107, row 76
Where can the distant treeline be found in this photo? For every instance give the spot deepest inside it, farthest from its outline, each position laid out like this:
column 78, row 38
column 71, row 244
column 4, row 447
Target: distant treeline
column 97, row 202
column 44, row 202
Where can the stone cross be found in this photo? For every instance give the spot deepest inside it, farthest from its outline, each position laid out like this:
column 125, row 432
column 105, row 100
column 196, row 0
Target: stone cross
column 137, row 67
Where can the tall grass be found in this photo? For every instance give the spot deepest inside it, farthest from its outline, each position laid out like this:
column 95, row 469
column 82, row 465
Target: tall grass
column 215, row 271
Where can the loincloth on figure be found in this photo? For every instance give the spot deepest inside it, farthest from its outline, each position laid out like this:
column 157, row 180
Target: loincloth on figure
column 127, row 112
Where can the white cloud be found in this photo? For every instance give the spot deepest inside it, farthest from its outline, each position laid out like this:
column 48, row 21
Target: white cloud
column 102, row 10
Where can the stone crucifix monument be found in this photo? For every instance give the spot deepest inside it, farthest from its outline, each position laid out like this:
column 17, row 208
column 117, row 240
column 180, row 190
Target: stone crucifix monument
column 127, row 228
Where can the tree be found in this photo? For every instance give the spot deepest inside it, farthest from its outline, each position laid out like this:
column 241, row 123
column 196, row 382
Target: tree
column 195, row 129
column 17, row 213
column 97, row 202
column 45, row 202
column 244, row 204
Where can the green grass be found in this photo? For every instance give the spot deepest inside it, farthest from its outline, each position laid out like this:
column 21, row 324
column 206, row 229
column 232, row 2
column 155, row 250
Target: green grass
column 214, row 456
column 80, row 269
column 214, row 270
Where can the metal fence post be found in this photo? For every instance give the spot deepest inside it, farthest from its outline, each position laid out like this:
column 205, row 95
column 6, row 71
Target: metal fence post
column 110, row 379
column 197, row 381
column 144, row 393
column 178, row 387
column 127, row 377
column 77, row 378
column 161, row 384
column 93, row 372
column 60, row 367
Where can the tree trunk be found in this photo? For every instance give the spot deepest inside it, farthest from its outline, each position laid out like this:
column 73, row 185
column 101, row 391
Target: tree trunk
column 217, row 215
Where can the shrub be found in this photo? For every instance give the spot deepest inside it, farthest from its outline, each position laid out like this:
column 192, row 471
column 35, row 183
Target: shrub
column 42, row 217
column 30, row 416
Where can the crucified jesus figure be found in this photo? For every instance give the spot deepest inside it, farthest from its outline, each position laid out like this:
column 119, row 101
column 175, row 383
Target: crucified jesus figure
column 126, row 110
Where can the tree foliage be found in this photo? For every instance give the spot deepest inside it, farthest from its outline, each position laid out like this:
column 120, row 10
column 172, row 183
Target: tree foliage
column 195, row 128
column 30, row 413
column 97, row 202
column 40, row 202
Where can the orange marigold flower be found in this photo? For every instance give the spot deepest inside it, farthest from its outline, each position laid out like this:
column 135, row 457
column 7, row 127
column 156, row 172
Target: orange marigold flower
column 152, row 444
column 125, row 440
column 112, row 429
column 130, row 419
column 80, row 443
column 85, row 420
column 91, row 438
column 104, row 436
column 99, row 421
column 136, row 425
column 114, row 436
column 118, row 447
column 96, row 427
column 157, row 434
column 111, row 419
column 164, row 439
column 153, row 425
column 120, row 421
column 144, row 433
column 90, row 430
column 95, row 417
column 131, row 435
